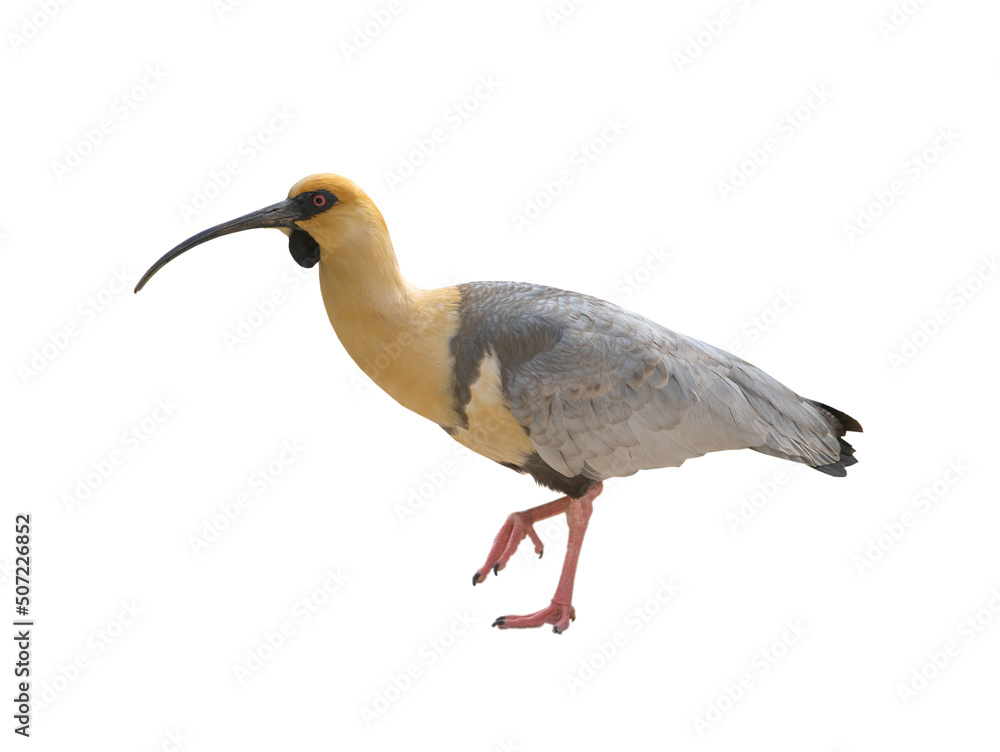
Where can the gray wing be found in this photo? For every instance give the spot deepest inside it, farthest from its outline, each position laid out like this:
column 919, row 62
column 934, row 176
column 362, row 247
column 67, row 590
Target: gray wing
column 604, row 392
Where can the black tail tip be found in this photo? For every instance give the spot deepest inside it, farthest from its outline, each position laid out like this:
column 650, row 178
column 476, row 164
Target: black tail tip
column 841, row 423
column 838, row 469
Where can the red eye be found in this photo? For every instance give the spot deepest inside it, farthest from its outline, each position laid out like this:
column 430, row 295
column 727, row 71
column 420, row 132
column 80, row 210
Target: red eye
column 319, row 199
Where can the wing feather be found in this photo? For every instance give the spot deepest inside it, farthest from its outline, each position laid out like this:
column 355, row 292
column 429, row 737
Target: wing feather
column 615, row 393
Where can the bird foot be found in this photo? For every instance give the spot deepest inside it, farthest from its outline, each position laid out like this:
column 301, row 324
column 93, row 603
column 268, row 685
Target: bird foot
column 559, row 615
column 514, row 530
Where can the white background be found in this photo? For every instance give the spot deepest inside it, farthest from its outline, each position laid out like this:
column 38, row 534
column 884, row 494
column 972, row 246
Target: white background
column 73, row 214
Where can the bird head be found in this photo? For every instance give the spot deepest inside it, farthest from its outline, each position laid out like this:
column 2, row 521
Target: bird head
column 323, row 214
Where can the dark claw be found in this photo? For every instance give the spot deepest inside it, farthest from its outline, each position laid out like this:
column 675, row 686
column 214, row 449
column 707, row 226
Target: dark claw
column 475, row 578
column 500, row 621
column 557, row 630
column 540, row 553
column 496, row 569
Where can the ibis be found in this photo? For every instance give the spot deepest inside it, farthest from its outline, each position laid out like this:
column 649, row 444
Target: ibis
column 567, row 388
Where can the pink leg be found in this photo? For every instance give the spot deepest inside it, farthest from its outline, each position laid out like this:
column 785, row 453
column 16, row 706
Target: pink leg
column 514, row 530
column 560, row 612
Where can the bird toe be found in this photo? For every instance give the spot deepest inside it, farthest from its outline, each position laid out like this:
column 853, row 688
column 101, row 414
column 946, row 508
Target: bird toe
column 559, row 615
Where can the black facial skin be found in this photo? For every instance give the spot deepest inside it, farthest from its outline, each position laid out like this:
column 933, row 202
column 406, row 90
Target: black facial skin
column 312, row 203
column 303, row 248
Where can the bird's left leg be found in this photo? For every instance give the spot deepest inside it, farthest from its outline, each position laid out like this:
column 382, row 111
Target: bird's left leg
column 561, row 612
column 518, row 526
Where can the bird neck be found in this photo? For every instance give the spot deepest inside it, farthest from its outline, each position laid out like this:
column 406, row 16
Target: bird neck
column 398, row 334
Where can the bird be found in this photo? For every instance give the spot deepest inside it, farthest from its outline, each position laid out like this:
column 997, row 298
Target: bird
column 567, row 388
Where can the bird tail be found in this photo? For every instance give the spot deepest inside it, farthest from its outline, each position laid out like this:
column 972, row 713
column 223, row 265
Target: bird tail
column 840, row 423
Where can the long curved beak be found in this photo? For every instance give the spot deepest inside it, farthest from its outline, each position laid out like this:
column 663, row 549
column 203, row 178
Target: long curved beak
column 282, row 214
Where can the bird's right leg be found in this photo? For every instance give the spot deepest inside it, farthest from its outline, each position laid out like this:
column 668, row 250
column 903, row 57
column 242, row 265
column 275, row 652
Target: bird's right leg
column 518, row 526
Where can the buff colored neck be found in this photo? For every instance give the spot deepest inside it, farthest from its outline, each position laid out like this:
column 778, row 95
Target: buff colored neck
column 398, row 334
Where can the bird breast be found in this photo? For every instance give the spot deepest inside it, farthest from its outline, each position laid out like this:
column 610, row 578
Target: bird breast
column 404, row 344
column 491, row 429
